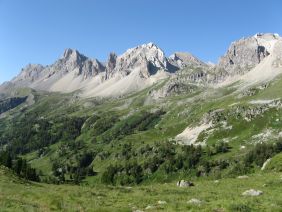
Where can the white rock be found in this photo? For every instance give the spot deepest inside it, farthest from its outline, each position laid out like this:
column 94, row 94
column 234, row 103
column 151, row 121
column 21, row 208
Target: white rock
column 242, row 147
column 252, row 192
column 160, row 202
column 195, row 201
column 183, row 183
column 265, row 164
column 190, row 135
column 243, row 177
column 149, row 207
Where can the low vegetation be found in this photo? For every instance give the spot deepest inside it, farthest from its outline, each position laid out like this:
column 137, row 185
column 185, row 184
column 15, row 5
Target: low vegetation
column 115, row 152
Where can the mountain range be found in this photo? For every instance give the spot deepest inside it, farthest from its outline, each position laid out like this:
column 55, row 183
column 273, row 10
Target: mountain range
column 249, row 60
column 145, row 132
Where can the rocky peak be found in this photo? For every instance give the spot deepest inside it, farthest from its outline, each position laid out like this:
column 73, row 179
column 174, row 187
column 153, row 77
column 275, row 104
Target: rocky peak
column 248, row 52
column 31, row 72
column 183, row 59
column 111, row 64
column 72, row 60
column 72, row 55
column 147, row 59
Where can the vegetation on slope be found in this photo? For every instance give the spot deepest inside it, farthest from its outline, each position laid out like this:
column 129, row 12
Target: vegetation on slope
column 130, row 141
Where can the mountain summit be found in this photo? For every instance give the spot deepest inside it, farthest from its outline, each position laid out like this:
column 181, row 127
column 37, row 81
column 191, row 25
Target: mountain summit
column 146, row 64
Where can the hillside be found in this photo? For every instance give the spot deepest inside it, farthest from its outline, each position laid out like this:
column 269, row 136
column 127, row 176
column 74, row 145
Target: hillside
column 173, row 119
column 225, row 194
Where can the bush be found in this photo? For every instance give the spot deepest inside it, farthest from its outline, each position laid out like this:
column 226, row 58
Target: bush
column 239, row 207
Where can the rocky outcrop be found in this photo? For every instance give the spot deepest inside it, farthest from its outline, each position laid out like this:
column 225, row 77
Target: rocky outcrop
column 246, row 53
column 265, row 164
column 111, row 64
column 72, row 60
column 183, row 59
column 29, row 74
column 172, row 88
column 148, row 59
column 144, row 65
column 183, row 183
column 252, row 192
column 40, row 77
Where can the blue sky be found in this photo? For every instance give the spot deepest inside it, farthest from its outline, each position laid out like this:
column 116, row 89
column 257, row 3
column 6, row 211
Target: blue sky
column 38, row 31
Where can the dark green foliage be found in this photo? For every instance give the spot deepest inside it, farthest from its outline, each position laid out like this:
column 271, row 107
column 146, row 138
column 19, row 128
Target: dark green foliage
column 239, row 207
column 164, row 157
column 137, row 122
column 19, row 166
column 222, row 147
column 33, row 133
column 128, row 173
column 11, row 103
column 150, row 120
column 77, row 171
column 72, row 127
column 261, row 152
column 168, row 158
column 109, row 174
column 102, row 124
column 6, row 159
column 86, row 159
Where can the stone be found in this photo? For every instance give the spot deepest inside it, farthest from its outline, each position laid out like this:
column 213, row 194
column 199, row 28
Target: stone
column 160, row 202
column 252, row 192
column 149, row 207
column 265, row 164
column 195, row 201
column 243, row 177
column 183, row 183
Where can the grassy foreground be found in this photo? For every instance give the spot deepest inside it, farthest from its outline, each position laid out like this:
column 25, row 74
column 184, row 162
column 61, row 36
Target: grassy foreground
column 224, row 195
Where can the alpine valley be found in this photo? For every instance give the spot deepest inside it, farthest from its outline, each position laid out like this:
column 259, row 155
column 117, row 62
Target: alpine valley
column 145, row 132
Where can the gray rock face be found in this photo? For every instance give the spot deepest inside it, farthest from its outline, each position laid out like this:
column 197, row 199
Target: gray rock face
column 246, row 53
column 29, row 74
column 182, row 60
column 171, row 88
column 144, row 60
column 38, row 76
column 111, row 64
column 74, row 71
column 147, row 58
column 72, row 60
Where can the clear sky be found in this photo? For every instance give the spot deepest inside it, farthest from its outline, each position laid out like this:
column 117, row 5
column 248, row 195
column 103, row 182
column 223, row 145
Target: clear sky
column 38, row 31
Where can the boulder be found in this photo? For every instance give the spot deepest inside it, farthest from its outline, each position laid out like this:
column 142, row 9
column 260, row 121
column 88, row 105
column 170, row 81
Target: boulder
column 183, row 183
column 252, row 192
column 243, row 177
column 265, row 164
column 149, row 207
column 195, row 201
column 161, row 202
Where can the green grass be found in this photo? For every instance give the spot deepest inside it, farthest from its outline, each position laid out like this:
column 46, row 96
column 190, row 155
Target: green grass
column 18, row 195
column 275, row 163
column 187, row 109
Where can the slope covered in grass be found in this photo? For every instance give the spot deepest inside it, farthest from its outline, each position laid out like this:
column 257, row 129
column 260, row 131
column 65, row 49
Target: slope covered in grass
column 224, row 195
